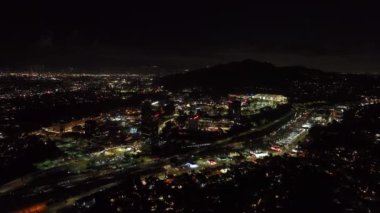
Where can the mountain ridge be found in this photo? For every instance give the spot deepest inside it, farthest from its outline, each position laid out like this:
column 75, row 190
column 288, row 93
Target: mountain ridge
column 241, row 73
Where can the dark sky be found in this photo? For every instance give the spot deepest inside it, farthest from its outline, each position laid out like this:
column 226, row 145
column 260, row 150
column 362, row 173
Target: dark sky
column 341, row 36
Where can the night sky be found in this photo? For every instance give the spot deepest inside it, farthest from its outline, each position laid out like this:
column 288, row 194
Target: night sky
column 341, row 36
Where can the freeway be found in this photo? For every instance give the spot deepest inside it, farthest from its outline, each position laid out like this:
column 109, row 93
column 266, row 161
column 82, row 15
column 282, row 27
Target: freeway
column 162, row 125
column 92, row 181
column 71, row 200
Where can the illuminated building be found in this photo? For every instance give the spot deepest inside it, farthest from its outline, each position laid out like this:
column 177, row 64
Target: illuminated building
column 194, row 123
column 271, row 97
column 149, row 121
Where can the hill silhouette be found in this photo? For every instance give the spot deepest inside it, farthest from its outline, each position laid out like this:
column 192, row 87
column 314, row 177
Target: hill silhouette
column 241, row 74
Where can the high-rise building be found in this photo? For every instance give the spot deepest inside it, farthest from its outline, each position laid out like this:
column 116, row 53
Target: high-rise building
column 193, row 123
column 149, row 122
column 90, row 127
column 234, row 109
